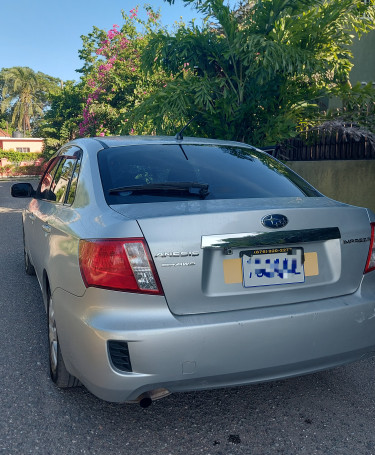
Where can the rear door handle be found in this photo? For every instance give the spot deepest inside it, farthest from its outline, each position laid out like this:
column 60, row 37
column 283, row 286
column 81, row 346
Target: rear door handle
column 46, row 228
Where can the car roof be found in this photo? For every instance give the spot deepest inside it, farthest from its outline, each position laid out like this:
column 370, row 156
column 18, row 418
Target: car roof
column 118, row 141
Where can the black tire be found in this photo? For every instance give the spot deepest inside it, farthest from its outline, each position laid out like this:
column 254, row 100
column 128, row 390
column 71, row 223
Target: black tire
column 59, row 374
column 29, row 268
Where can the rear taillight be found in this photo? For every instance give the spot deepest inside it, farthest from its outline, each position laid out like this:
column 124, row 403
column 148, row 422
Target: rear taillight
column 370, row 264
column 119, row 264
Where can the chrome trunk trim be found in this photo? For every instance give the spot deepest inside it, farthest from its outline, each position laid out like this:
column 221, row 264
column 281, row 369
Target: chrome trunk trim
column 256, row 239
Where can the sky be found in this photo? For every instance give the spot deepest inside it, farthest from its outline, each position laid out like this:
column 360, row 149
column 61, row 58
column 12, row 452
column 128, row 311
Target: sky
column 45, row 34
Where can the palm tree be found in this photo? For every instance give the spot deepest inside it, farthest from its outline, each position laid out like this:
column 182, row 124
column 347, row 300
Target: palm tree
column 254, row 73
column 24, row 94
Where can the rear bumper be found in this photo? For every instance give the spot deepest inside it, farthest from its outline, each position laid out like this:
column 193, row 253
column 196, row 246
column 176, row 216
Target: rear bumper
column 210, row 350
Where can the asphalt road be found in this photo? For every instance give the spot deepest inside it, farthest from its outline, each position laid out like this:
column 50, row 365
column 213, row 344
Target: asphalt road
column 331, row 412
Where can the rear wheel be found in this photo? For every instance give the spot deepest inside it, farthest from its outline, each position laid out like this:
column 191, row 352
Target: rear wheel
column 59, row 374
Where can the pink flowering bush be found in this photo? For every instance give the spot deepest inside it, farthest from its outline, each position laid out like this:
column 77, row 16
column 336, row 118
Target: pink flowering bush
column 113, row 78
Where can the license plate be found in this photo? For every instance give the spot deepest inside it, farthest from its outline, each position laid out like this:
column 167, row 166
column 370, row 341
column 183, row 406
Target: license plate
column 272, row 266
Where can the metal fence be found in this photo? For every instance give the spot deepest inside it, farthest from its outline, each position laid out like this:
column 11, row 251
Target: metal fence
column 326, row 144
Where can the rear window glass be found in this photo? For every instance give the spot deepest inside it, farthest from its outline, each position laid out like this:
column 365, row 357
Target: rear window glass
column 146, row 173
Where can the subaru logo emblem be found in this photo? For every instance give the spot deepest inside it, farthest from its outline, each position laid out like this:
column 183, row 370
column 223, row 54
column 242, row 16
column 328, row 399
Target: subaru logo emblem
column 274, row 221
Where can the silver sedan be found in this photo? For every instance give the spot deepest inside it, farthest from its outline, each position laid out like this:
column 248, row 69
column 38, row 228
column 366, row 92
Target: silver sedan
column 175, row 264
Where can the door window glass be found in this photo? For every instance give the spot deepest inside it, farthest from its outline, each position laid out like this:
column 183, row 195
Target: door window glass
column 61, row 180
column 43, row 191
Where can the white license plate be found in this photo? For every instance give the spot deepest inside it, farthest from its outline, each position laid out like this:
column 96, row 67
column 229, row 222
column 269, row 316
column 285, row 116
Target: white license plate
column 272, row 266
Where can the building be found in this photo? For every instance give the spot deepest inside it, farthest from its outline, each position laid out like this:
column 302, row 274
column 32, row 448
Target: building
column 20, row 144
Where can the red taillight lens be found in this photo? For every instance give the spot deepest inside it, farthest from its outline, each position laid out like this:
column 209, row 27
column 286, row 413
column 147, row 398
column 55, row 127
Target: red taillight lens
column 370, row 264
column 119, row 264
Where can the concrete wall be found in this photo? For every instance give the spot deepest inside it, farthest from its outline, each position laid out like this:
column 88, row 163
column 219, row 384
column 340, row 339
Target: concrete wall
column 363, row 59
column 352, row 182
column 363, row 70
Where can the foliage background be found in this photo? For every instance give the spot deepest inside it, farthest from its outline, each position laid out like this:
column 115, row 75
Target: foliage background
column 258, row 73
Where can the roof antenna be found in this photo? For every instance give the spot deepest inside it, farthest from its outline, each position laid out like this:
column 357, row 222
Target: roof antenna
column 179, row 135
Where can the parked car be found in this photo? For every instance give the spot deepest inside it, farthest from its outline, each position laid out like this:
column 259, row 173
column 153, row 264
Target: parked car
column 174, row 264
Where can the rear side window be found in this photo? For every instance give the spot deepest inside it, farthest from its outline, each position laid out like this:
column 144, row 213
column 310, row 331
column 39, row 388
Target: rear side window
column 73, row 183
column 227, row 173
column 61, row 182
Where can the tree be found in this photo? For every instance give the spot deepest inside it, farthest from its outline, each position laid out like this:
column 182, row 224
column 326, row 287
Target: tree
column 113, row 80
column 60, row 123
column 25, row 95
column 253, row 74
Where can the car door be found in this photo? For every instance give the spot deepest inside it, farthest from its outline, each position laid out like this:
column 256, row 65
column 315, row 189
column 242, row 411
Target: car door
column 54, row 190
column 36, row 220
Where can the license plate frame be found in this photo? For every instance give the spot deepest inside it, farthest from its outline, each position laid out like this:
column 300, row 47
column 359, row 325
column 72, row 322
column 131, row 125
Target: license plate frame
column 272, row 266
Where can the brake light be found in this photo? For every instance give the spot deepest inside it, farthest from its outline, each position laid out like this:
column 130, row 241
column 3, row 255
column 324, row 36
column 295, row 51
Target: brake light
column 370, row 264
column 119, row 264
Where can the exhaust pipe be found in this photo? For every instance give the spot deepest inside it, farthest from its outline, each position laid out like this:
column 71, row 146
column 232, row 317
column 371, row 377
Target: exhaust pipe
column 145, row 400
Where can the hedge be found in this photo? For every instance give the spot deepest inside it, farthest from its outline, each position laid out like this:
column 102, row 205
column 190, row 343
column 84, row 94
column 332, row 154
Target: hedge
column 17, row 157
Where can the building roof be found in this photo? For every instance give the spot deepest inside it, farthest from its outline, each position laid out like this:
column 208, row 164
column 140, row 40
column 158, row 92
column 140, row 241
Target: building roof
column 20, row 139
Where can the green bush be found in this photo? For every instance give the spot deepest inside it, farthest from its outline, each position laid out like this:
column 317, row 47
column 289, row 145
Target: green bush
column 7, row 169
column 17, row 157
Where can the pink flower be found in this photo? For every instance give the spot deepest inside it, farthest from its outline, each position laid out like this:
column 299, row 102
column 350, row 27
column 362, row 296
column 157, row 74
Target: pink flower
column 124, row 43
column 134, row 13
column 101, row 134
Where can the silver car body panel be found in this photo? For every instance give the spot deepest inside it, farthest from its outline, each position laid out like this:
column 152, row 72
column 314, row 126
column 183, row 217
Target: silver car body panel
column 183, row 353
column 208, row 330
column 201, row 288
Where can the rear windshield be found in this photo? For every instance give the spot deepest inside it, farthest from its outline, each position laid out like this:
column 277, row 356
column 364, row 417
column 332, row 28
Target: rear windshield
column 226, row 172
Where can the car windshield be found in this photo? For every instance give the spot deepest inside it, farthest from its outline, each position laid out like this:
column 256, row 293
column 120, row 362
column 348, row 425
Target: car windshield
column 157, row 173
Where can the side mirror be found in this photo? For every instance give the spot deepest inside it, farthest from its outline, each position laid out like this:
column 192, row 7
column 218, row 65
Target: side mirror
column 22, row 190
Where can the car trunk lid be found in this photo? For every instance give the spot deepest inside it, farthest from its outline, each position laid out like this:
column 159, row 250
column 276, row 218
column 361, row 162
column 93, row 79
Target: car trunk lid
column 200, row 249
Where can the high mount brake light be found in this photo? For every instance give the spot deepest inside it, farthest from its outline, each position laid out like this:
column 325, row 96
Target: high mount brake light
column 119, row 264
column 370, row 264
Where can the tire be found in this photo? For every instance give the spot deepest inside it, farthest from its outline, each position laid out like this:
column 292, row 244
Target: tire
column 29, row 268
column 59, row 374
